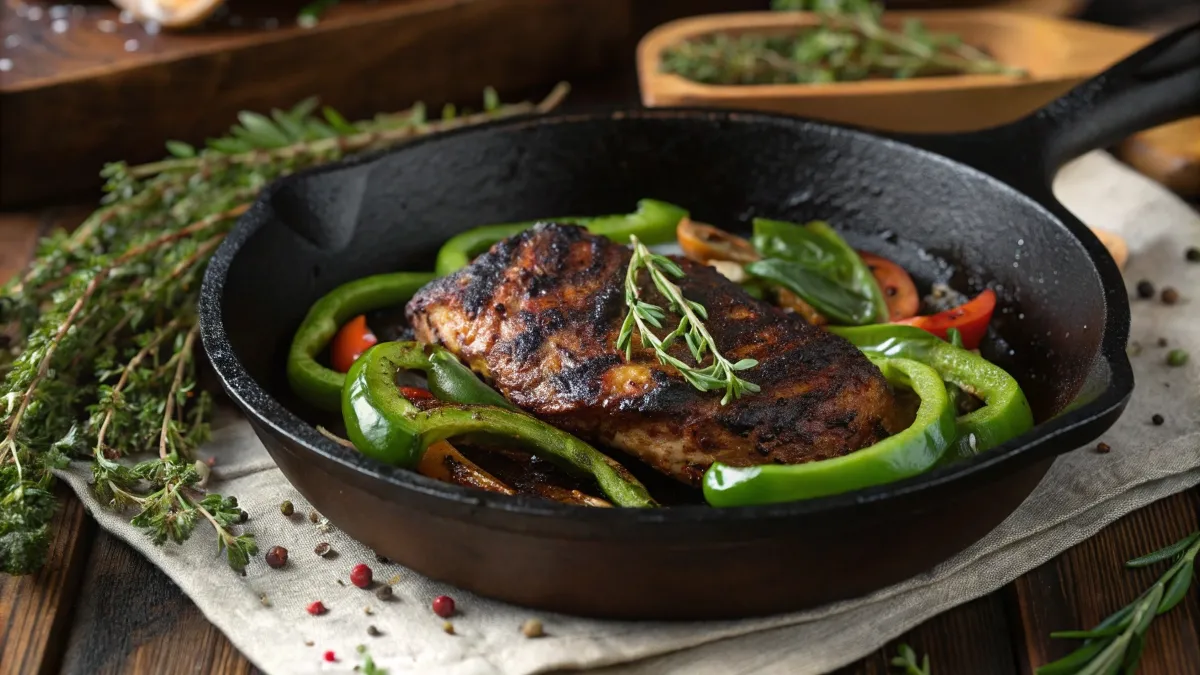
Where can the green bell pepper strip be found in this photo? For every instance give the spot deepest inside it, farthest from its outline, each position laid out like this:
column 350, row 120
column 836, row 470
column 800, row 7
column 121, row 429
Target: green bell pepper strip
column 384, row 425
column 1006, row 413
column 907, row 453
column 315, row 383
column 654, row 222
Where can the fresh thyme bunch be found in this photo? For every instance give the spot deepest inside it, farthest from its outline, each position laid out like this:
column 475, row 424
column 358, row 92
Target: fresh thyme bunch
column 851, row 43
column 101, row 332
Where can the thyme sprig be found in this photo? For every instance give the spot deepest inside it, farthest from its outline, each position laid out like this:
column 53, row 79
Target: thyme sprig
column 851, row 43
column 906, row 658
column 721, row 374
column 100, row 334
column 1115, row 645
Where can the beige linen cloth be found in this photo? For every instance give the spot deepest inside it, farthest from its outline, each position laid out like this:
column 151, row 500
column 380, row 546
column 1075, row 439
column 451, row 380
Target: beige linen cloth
column 1083, row 492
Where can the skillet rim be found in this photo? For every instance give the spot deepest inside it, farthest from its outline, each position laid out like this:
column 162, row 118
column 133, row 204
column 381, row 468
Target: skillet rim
column 1008, row 457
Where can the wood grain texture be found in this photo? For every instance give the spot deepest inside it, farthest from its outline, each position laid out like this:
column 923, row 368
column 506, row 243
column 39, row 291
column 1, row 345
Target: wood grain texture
column 36, row 610
column 132, row 619
column 1169, row 154
column 18, row 234
column 365, row 59
column 971, row 638
column 1087, row 583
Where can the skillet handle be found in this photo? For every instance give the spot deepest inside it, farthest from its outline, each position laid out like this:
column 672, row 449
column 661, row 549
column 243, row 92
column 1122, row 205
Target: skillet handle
column 1158, row 84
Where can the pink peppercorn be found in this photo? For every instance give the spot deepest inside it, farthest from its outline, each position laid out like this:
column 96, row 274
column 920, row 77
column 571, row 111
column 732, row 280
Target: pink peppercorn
column 360, row 575
column 330, row 657
column 443, row 606
column 317, row 608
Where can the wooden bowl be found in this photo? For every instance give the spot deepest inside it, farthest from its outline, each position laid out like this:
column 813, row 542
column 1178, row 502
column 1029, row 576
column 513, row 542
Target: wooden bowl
column 1055, row 53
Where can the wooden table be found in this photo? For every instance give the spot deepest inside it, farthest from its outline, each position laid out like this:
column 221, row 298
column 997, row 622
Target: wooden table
column 99, row 607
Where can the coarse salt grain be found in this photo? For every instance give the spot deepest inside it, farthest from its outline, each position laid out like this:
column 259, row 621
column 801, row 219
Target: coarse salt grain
column 131, row 45
column 5, row 65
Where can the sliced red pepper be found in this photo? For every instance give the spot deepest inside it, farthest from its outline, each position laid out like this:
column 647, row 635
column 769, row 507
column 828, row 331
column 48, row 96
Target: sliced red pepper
column 970, row 318
column 899, row 291
column 416, row 393
column 351, row 341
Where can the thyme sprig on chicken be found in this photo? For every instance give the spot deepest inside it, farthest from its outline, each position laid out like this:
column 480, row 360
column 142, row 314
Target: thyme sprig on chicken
column 98, row 339
column 721, row 374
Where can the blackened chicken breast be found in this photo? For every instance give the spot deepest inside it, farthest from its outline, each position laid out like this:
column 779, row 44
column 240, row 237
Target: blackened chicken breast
column 538, row 316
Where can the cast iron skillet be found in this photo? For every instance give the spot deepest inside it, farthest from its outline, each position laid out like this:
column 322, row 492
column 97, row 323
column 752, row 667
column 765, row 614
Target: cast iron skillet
column 975, row 209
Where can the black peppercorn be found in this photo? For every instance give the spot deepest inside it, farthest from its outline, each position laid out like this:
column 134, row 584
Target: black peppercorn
column 277, row 557
column 243, row 517
column 382, row 559
column 384, row 592
column 1162, row 342
column 1170, row 296
column 1192, row 254
column 1145, row 289
column 1157, row 419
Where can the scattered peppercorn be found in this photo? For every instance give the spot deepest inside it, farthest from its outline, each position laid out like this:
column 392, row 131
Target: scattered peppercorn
column 341, row 583
column 394, row 580
column 1145, row 289
column 1177, row 357
column 1103, row 448
column 368, row 611
column 1192, row 254
column 263, row 599
column 330, row 656
column 317, row 608
column 286, row 508
column 382, row 559
column 308, row 643
column 448, row 628
column 532, row 628
column 1169, row 296
column 323, row 549
column 1162, row 342
column 277, row 557
column 360, row 575
column 243, row 517
column 232, row 501
column 313, row 516
column 211, row 462
column 373, row 631
column 443, row 606
column 384, row 593
column 1157, row 420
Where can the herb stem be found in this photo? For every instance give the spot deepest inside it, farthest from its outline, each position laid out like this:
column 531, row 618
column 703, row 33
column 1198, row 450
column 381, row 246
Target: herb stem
column 133, row 363
column 169, row 410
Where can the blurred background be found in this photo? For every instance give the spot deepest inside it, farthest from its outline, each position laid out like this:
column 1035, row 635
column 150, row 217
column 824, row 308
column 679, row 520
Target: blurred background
column 84, row 84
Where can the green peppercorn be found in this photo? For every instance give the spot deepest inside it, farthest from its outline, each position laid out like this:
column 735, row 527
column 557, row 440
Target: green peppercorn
column 286, row 508
column 1177, row 357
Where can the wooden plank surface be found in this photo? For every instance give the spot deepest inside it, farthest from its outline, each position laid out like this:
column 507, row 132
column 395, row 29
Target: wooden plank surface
column 36, row 610
column 364, row 59
column 1088, row 582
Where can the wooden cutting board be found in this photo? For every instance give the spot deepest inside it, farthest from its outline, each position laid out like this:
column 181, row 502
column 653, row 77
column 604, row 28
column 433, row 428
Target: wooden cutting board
column 79, row 87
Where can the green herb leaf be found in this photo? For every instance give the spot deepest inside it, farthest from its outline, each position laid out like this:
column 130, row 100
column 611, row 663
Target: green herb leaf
column 180, row 149
column 1166, row 552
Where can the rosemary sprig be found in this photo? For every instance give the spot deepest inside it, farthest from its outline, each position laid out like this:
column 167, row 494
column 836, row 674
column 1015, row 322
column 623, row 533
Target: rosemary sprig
column 906, row 658
column 99, row 360
column 1115, row 645
column 851, row 43
column 721, row 374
